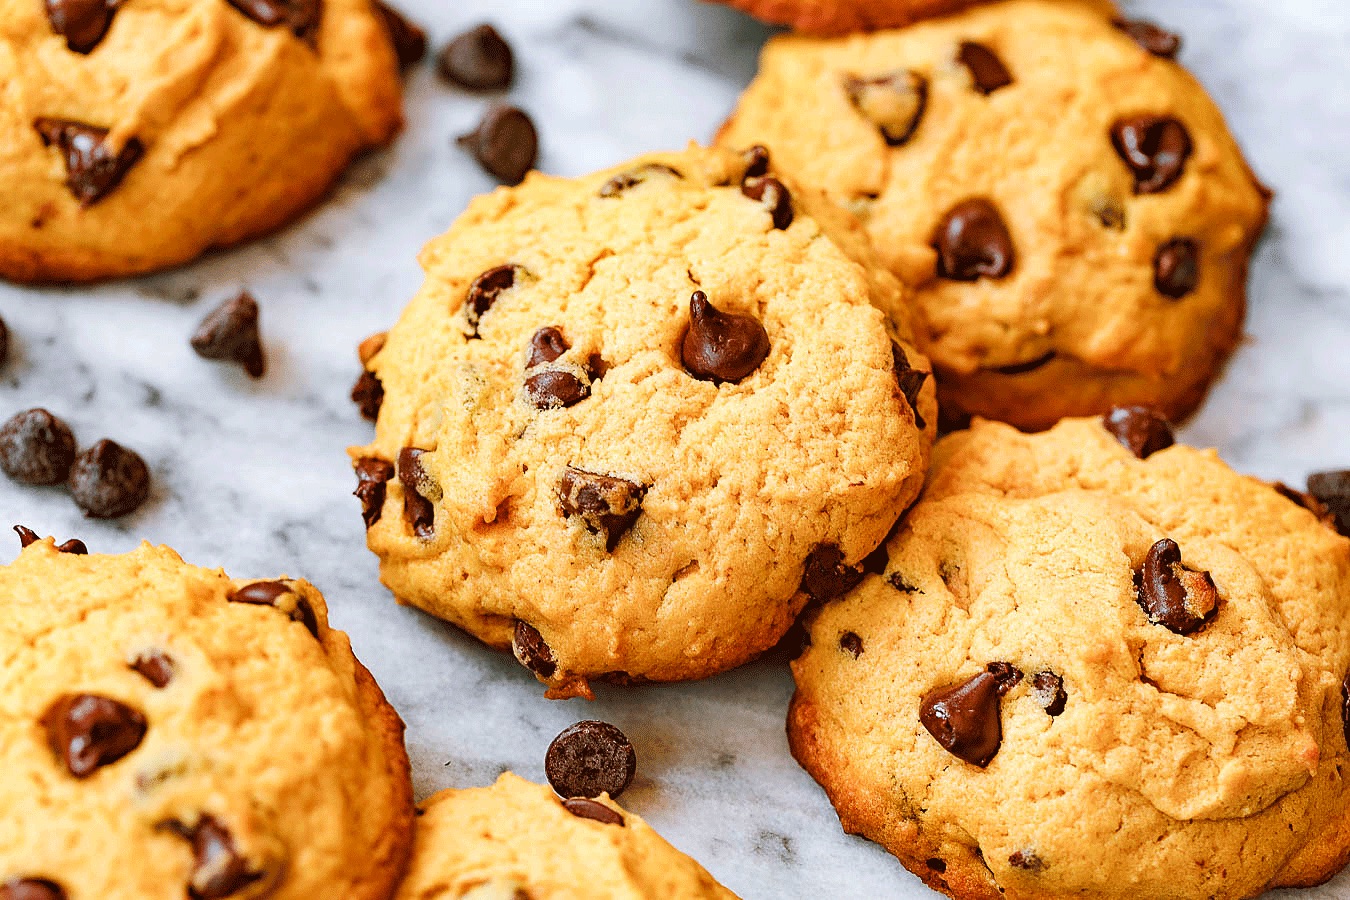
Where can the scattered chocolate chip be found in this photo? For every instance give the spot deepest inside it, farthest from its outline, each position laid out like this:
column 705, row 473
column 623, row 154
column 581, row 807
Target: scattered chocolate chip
column 230, row 332
column 1181, row 600
column 1176, row 268
column 898, row 582
column 368, row 395
column 756, row 161
column 606, row 504
column 1023, row 368
column 410, row 41
column 108, row 480
column 478, row 60
column 505, row 143
column 87, row 731
column 92, row 170
column 546, row 345
column 1008, row 675
column 31, row 889
column 626, row 181
column 1156, row 40
column 155, row 666
column 773, row 196
column 528, row 646
column 372, row 477
column 83, row 23
column 1139, row 429
column 1025, row 859
column 1155, row 148
column 555, row 389
column 721, row 347
column 589, row 759
column 219, row 870
column 851, row 644
column 1333, row 490
column 1047, row 689
column 986, row 69
column 973, row 242
column 280, row 595
column 300, row 16
column 590, row 809
column 894, row 102
column 417, row 509
column 936, row 865
column 36, row 448
column 964, row 718
column 484, row 291
column 910, row 381
column 825, row 575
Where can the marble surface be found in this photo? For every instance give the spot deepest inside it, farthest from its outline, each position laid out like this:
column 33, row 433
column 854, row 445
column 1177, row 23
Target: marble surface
column 253, row 477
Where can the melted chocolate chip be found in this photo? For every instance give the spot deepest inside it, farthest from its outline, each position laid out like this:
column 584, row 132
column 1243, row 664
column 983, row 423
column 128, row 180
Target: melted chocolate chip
column 910, row 381
column 590, row 809
column 973, row 242
column 31, row 889
column 606, row 504
column 279, row 594
column 155, row 666
column 1008, row 675
column 83, row 23
column 986, row 69
column 92, row 170
column 372, row 477
column 1156, row 40
column 1155, row 148
column 219, row 870
column 825, row 575
column 546, row 345
column 626, row 181
column 418, row 511
column 1025, row 859
column 773, row 196
column 1181, row 600
column 1333, row 489
column 230, row 332
column 505, row 143
column 851, row 644
column 484, row 291
column 530, row 650
column 555, row 389
column 108, row 480
column 87, row 731
column 300, row 16
column 409, row 40
column 1047, row 689
column 756, row 161
column 36, row 448
column 478, row 60
column 1176, row 268
column 589, row 759
column 964, row 718
column 721, row 347
column 368, row 395
column 894, row 102
column 1139, row 429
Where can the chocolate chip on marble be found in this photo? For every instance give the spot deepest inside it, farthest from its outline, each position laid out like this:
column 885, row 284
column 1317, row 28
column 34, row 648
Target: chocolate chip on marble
column 230, row 332
column 409, row 40
column 986, row 70
column 590, row 809
column 485, row 290
column 368, row 395
column 83, row 23
column 1030, row 365
column 721, row 347
column 108, row 480
column 546, row 346
column 910, row 381
column 301, row 17
column 36, row 448
column 626, row 181
column 1155, row 148
column 964, row 718
column 219, row 869
column 74, row 546
column 530, row 650
column 1047, row 689
column 555, row 389
column 825, row 576
column 590, row 758
column 773, row 196
column 606, row 504
column 1180, row 599
column 480, row 59
column 1141, row 430
column 1156, row 40
column 505, row 143
column 92, row 169
column 1333, row 489
column 4, row 343
column 155, row 666
column 756, row 161
column 418, row 510
column 1026, row 860
column 87, row 731
column 893, row 102
column 372, row 478
column 973, row 242
column 31, row 889
column 283, row 597
column 1176, row 268
column 851, row 644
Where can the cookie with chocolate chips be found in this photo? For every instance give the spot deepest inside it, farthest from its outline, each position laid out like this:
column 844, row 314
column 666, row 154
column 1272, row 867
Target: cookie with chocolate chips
column 1077, row 639
column 173, row 733
column 1063, row 197
column 628, row 410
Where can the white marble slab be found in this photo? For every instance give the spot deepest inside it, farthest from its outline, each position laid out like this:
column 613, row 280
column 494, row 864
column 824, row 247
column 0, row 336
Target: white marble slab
column 253, row 477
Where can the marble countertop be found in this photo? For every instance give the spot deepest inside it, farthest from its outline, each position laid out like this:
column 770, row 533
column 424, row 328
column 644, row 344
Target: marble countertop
column 253, row 476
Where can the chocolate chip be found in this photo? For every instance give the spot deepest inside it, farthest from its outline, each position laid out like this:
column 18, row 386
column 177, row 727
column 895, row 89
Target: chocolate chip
column 1181, row 600
column 478, row 60
column 626, row 181
column 964, row 718
column 418, row 511
column 1333, row 489
column 368, row 395
column 596, row 367
column 721, row 347
column 528, row 646
column 1025, row 859
column 1030, row 365
column 756, row 161
column 606, row 504
column 589, row 759
column 1176, row 268
column 36, row 448
column 26, row 536
column 283, row 597
column 773, row 196
column 825, row 576
column 898, row 582
column 910, row 381
column 4, row 343
column 219, row 870
column 936, row 865
column 555, row 389
column 894, row 102
column 1008, row 675
column 1047, row 689
column 73, row 546
column 108, row 480
column 31, row 889
column 1139, row 429
column 87, row 731
column 372, row 476
column 505, row 143
column 155, row 666
column 1156, row 40
column 589, row 809
column 851, row 644
column 484, row 291
column 83, row 23
column 1155, row 148
column 300, row 16
column 230, row 332
column 986, row 69
column 92, row 170
column 546, row 345
column 973, row 242
column 409, row 40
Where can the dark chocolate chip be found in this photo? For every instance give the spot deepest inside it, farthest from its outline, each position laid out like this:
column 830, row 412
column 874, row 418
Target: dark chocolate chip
column 4, row 343
column 894, row 102
column 372, row 477
column 1023, row 368
column 36, row 448
column 530, row 650
column 1155, row 148
column 1025, row 859
column 596, row 367
column 480, row 59
column 83, row 23
column 756, row 161
column 986, row 69
column 26, row 535
column 773, row 196
column 825, row 576
column 546, row 345
column 1333, row 489
column 219, row 870
column 626, row 181
column 1181, row 600
column 505, row 143
column 1156, row 40
column 418, row 511
column 1047, row 689
column 973, row 242
column 964, row 718
column 555, row 389
column 936, row 865
column 108, row 480
column 1139, row 429
column 484, row 291
column 155, row 666
column 851, row 644
column 87, row 731
column 74, row 546
column 590, row 809
column 589, row 759
column 368, row 395
column 300, row 16
column 31, row 889
column 409, row 40
column 92, row 170
column 1176, row 268
column 910, row 381
column 1008, row 675
column 230, row 332
column 279, row 594
column 606, row 504
column 721, row 347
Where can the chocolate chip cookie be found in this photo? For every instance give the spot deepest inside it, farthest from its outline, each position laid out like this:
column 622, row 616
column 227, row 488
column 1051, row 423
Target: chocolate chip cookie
column 1064, row 197
column 828, row 17
column 138, row 135
column 1093, row 665
column 170, row 732
column 633, row 422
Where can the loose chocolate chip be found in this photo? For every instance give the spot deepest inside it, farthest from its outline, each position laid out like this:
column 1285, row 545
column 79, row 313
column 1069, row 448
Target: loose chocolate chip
column 894, row 102
column 1156, row 40
column 410, row 41
column 589, row 759
column 964, row 718
column 1047, row 689
column 721, row 347
column 1139, row 429
column 478, row 60
column 528, row 646
column 418, row 511
column 1176, row 268
column 73, row 546
column 626, row 181
column 155, row 666
column 756, row 161
column 1181, row 600
column 300, row 16
column 986, row 69
column 505, row 143
column 910, row 381
column 546, row 346
column 92, row 170
column 1008, row 675
column 36, row 448
column 372, row 477
column 773, row 196
column 1030, row 365
column 484, row 291
column 83, row 23
column 219, row 870
column 1155, row 148
column 1333, row 489
column 280, row 595
column 851, row 644
column 31, row 889
column 973, row 242
column 368, row 395
column 825, row 575
column 589, row 809
column 555, row 389
column 108, row 480
column 87, row 731
column 230, row 332
column 606, row 504
column 1025, row 859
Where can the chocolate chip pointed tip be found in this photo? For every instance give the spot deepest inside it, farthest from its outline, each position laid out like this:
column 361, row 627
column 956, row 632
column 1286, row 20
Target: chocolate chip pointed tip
column 408, row 38
column 1140, row 429
column 230, row 333
column 505, row 143
column 773, row 195
column 93, row 170
column 964, row 718
column 1150, row 36
column 721, row 347
column 36, row 448
column 480, row 59
column 590, row 758
column 108, row 480
column 155, row 666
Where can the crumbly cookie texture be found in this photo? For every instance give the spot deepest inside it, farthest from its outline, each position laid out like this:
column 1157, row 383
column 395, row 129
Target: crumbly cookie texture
column 1037, row 672
column 832, row 17
column 627, row 412
column 182, row 125
column 171, row 732
column 517, row 840
column 1065, row 199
